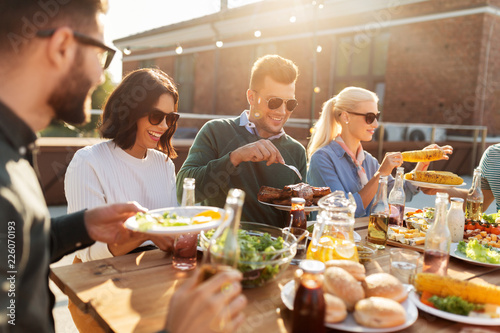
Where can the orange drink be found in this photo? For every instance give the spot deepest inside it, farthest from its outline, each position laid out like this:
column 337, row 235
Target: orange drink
column 329, row 248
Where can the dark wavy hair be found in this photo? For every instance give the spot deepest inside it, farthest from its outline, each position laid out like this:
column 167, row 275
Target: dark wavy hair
column 133, row 99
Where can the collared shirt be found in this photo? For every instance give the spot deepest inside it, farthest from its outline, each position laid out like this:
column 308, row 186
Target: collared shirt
column 490, row 171
column 245, row 121
column 35, row 239
column 331, row 166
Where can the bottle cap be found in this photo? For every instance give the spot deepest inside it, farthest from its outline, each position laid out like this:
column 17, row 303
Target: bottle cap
column 298, row 201
column 189, row 181
column 312, row 266
column 455, row 199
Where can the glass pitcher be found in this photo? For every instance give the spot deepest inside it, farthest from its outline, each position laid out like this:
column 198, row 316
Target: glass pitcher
column 333, row 234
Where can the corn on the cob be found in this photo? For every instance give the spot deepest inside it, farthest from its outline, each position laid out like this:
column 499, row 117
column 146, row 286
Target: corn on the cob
column 443, row 286
column 423, row 155
column 436, row 177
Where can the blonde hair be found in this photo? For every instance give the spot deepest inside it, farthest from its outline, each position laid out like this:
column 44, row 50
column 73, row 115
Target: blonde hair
column 328, row 126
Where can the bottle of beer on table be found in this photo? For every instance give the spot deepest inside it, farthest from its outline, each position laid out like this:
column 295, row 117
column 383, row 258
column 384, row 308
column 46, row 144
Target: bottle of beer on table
column 224, row 249
column 438, row 239
column 397, row 198
column 309, row 304
column 475, row 198
column 379, row 217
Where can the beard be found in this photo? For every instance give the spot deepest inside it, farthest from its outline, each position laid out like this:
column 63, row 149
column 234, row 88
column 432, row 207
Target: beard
column 71, row 99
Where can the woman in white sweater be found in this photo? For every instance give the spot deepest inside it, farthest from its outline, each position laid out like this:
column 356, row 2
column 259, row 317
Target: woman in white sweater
column 140, row 117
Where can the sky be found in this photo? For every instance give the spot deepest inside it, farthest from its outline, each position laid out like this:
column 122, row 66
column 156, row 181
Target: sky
column 129, row 17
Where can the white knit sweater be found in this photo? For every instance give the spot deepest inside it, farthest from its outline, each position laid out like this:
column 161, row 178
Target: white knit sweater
column 105, row 174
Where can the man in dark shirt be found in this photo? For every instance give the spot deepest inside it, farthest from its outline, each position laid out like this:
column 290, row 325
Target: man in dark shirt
column 52, row 55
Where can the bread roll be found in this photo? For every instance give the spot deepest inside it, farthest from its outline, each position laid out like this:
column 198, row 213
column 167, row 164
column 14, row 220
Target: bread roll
column 343, row 285
column 335, row 309
column 384, row 285
column 379, row 312
column 355, row 269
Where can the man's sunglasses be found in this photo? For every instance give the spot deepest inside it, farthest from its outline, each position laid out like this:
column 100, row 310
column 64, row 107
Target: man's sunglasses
column 156, row 117
column 369, row 117
column 275, row 102
column 105, row 57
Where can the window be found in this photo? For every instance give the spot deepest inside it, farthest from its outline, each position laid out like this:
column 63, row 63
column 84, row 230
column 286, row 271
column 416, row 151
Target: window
column 360, row 61
column 184, row 77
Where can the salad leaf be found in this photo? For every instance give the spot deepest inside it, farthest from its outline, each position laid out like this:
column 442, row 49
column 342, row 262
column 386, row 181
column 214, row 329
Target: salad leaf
column 479, row 252
column 254, row 251
column 146, row 221
column 490, row 218
column 454, row 304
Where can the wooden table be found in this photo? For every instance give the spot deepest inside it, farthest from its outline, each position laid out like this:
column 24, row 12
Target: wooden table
column 131, row 293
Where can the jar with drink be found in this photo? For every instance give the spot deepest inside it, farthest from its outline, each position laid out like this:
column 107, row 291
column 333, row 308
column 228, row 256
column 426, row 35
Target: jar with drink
column 333, row 234
column 475, row 198
column 379, row 217
column 397, row 198
column 309, row 304
column 438, row 239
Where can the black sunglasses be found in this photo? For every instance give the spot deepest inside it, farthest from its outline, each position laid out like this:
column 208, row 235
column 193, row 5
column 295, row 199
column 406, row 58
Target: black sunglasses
column 156, row 117
column 369, row 117
column 105, row 57
column 275, row 102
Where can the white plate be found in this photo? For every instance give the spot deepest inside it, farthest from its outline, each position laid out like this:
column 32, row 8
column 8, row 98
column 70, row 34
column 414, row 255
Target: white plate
column 349, row 324
column 451, row 316
column 357, row 237
column 459, row 255
column 132, row 224
column 288, row 208
column 432, row 185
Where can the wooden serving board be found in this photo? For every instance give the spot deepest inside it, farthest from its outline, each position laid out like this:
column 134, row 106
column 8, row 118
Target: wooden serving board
column 418, row 248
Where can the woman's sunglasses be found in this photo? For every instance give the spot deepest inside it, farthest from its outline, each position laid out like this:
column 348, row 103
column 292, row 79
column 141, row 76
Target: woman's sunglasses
column 156, row 117
column 369, row 117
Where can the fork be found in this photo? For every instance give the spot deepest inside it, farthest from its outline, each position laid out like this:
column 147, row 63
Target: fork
column 294, row 169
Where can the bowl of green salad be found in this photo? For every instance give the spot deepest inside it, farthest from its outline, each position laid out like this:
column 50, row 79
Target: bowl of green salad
column 265, row 252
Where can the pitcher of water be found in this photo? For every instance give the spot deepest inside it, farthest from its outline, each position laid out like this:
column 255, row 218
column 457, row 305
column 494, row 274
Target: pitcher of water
column 333, row 234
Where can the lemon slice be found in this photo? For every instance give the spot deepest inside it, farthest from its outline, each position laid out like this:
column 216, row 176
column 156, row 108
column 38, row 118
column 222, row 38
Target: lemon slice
column 345, row 250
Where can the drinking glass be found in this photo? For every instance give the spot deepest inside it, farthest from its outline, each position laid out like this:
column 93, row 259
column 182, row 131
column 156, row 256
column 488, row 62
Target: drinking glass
column 404, row 264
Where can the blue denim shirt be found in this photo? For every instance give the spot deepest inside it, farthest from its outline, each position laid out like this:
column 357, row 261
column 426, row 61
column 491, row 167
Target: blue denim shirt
column 331, row 166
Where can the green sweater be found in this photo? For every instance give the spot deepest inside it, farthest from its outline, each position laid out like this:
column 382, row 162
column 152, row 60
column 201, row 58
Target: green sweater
column 208, row 162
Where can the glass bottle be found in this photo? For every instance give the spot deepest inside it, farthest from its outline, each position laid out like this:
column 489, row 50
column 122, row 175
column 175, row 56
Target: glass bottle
column 397, row 199
column 379, row 217
column 299, row 224
column 309, row 304
column 456, row 219
column 188, row 192
column 438, row 239
column 185, row 252
column 224, row 249
column 475, row 198
column 298, row 214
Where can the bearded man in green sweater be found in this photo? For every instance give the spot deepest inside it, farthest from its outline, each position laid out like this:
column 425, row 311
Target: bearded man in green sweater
column 249, row 151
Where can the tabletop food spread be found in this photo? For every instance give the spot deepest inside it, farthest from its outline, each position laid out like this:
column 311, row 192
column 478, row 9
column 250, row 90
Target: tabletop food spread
column 359, row 297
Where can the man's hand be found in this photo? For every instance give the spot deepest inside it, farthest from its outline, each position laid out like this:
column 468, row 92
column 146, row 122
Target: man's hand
column 202, row 307
column 105, row 223
column 262, row 150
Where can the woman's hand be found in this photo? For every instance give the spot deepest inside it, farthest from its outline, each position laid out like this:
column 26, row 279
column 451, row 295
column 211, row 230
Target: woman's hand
column 164, row 243
column 390, row 161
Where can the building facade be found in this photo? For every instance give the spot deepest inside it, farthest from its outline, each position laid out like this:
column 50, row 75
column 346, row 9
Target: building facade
column 431, row 62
